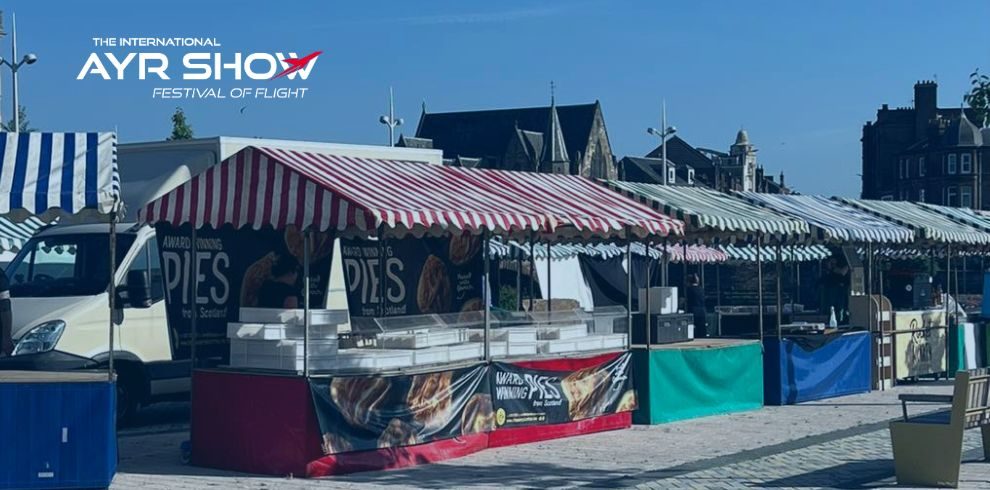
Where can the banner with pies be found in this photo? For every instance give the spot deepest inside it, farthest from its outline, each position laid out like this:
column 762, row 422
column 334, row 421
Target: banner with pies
column 234, row 266
column 422, row 275
column 523, row 396
column 359, row 413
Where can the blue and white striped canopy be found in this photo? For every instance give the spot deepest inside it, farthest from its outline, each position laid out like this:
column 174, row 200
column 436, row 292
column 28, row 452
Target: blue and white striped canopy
column 14, row 235
column 928, row 224
column 57, row 174
column 832, row 221
column 797, row 253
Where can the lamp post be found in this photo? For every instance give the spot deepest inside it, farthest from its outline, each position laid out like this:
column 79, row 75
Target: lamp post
column 663, row 134
column 28, row 59
column 390, row 120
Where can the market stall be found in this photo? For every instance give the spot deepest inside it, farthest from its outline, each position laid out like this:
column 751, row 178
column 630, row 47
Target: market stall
column 709, row 376
column 848, row 360
column 427, row 371
column 919, row 334
column 67, row 419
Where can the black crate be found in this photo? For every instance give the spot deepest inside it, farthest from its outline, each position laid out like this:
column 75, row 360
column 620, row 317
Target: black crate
column 664, row 329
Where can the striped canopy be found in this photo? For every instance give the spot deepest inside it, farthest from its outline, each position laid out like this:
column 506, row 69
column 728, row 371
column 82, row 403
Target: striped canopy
column 927, row 224
column 695, row 253
column 585, row 208
column 13, row 235
column 355, row 195
column 832, row 221
column 789, row 253
column 57, row 174
column 965, row 216
column 713, row 213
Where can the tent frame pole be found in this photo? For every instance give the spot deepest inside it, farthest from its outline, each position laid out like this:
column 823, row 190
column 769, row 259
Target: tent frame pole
column 307, row 236
column 381, row 270
column 549, row 284
column 532, row 267
column 649, row 265
column 518, row 284
column 629, row 287
column 113, row 287
column 488, row 296
column 780, row 298
column 194, row 294
column 759, row 278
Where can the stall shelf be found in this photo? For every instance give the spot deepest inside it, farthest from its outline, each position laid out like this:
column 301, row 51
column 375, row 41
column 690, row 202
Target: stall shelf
column 317, row 421
column 696, row 379
column 68, row 416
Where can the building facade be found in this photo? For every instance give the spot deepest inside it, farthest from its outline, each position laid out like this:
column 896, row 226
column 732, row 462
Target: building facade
column 926, row 154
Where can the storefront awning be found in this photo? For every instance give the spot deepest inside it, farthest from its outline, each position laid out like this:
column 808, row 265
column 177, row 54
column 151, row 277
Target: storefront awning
column 831, row 220
column 13, row 235
column 708, row 211
column 676, row 253
column 927, row 224
column 965, row 216
column 789, row 253
column 57, row 174
column 259, row 187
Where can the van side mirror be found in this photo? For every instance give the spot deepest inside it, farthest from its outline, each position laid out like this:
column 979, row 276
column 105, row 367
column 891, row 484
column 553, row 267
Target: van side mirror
column 138, row 290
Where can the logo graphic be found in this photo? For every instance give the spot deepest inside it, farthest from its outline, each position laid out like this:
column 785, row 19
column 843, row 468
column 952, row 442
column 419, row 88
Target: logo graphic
column 297, row 64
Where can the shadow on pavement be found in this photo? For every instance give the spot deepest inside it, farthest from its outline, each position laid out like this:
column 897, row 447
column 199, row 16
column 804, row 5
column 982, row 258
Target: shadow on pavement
column 851, row 475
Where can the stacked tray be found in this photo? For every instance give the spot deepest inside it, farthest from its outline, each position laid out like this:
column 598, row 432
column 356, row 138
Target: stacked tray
column 279, row 331
column 420, row 339
column 373, row 359
column 563, row 332
column 270, row 338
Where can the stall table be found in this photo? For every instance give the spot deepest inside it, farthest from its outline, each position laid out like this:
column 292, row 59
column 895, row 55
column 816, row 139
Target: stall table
column 697, row 378
column 801, row 368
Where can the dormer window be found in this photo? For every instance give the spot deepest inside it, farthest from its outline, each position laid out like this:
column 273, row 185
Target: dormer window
column 671, row 175
column 690, row 176
column 921, row 166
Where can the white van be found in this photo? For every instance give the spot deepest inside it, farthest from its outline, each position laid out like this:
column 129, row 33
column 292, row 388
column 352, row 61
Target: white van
column 59, row 279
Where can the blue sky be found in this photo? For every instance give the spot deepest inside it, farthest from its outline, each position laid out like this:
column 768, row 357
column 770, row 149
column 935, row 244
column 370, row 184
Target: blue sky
column 801, row 77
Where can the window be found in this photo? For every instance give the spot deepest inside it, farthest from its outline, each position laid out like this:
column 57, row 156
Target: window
column 64, row 265
column 691, row 176
column 921, row 166
column 951, row 167
column 965, row 163
column 921, row 195
column 951, row 195
column 900, row 168
column 966, row 196
column 148, row 260
column 671, row 175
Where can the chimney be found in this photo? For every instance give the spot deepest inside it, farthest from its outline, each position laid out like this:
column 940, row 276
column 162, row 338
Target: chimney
column 781, row 179
column 925, row 106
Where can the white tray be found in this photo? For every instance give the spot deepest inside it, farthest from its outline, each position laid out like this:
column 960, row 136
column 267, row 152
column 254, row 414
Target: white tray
column 563, row 332
column 592, row 342
column 279, row 331
column 461, row 352
column 557, row 346
column 281, row 363
column 292, row 316
column 614, row 341
column 431, row 355
column 504, row 334
column 283, row 348
column 419, row 340
column 374, row 358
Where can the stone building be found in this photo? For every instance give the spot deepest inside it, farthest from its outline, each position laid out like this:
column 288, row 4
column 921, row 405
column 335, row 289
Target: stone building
column 568, row 139
column 926, row 154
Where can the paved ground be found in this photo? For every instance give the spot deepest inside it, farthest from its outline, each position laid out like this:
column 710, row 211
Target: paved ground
column 840, row 443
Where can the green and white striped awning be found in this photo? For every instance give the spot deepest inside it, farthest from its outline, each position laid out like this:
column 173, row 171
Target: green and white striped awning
column 832, row 221
column 928, row 224
column 13, row 235
column 712, row 214
column 789, row 253
column 675, row 253
column 965, row 216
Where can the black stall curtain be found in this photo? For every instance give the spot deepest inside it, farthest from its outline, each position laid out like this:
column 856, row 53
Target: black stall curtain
column 607, row 278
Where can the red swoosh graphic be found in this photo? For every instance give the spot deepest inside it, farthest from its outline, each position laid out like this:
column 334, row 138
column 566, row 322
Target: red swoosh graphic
column 297, row 64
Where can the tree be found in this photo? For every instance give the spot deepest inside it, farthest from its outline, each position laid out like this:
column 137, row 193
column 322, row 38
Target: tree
column 181, row 130
column 978, row 97
column 25, row 125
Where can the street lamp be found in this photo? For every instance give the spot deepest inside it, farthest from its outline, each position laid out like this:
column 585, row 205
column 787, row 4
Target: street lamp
column 28, row 59
column 390, row 120
column 667, row 131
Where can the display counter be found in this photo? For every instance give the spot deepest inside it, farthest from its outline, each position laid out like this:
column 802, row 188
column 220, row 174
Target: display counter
column 390, row 393
column 697, row 378
column 800, row 368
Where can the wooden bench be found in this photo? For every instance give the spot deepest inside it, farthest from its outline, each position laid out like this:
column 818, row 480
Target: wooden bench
column 928, row 447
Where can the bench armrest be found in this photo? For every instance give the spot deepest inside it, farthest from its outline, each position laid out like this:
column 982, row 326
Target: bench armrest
column 922, row 398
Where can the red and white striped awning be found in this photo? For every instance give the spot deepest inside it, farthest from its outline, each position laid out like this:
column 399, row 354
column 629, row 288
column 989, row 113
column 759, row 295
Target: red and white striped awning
column 585, row 209
column 260, row 187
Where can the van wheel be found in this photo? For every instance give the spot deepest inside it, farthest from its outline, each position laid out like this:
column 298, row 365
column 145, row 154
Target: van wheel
column 128, row 396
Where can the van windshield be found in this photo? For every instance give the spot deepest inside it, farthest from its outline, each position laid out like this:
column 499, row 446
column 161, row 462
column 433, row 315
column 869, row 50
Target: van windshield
column 64, row 265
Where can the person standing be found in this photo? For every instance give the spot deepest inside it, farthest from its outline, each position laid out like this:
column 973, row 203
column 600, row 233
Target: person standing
column 695, row 299
column 281, row 289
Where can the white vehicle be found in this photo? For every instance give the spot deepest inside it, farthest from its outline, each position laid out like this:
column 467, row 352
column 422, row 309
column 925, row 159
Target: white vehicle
column 59, row 279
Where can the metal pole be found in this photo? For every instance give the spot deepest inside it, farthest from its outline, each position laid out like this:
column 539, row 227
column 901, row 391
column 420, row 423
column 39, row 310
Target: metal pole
column 518, row 284
column 194, row 292
column 663, row 265
column 113, row 285
column 549, row 287
column 488, row 298
column 307, row 235
column 684, row 265
column 718, row 296
column 532, row 268
column 948, row 267
column 629, row 287
column 13, row 72
column 663, row 140
column 780, row 298
column 869, row 289
column 649, row 265
column 759, row 279
column 381, row 270
column 794, row 284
